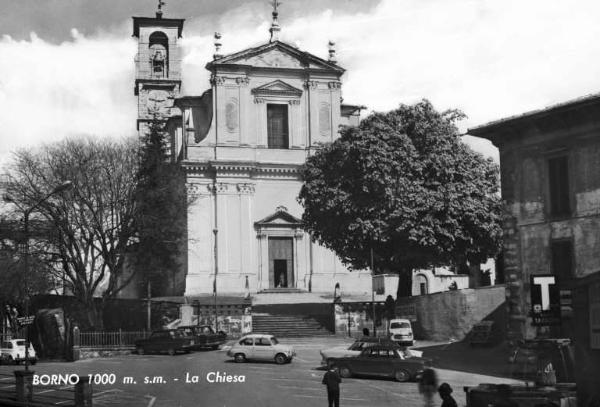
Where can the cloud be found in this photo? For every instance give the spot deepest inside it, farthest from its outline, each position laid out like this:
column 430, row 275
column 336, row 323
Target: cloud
column 79, row 87
column 491, row 59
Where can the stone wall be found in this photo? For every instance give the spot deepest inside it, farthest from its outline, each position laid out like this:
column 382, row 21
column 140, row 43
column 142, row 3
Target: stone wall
column 452, row 314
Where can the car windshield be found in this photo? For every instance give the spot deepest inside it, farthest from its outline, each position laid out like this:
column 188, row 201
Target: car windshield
column 20, row 343
column 397, row 325
column 274, row 341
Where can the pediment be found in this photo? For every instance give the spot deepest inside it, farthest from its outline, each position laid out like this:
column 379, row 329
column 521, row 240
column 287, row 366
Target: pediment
column 281, row 217
column 277, row 87
column 277, row 55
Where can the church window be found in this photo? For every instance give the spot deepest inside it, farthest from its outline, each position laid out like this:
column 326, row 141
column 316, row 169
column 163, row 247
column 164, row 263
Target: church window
column 277, row 126
column 159, row 47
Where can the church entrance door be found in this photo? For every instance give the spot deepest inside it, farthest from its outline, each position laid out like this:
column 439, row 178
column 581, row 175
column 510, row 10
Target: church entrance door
column 281, row 262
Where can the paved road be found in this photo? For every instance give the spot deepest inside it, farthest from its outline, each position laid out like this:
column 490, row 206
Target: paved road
column 181, row 380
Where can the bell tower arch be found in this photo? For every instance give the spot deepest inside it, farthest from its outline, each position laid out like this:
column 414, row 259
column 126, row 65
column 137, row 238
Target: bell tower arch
column 157, row 67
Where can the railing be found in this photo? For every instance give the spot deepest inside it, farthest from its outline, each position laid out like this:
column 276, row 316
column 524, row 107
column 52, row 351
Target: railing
column 113, row 339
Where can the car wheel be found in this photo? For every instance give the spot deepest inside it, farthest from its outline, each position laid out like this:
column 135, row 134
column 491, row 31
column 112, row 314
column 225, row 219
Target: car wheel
column 239, row 358
column 33, row 361
column 171, row 351
column 140, row 350
column 345, row 372
column 402, row 375
column 214, row 347
column 280, row 358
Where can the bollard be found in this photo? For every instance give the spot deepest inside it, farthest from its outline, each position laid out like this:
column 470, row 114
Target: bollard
column 83, row 392
column 24, row 379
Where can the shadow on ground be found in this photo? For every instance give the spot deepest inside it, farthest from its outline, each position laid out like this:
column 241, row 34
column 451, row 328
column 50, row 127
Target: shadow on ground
column 485, row 360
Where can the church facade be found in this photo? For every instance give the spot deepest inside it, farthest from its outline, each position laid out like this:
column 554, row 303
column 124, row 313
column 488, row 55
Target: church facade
column 242, row 144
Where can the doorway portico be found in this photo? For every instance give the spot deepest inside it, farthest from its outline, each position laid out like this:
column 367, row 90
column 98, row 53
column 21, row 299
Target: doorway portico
column 280, row 237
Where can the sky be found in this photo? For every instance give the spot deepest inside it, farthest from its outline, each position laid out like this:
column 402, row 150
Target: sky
column 67, row 66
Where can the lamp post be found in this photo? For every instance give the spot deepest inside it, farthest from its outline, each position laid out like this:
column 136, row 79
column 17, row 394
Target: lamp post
column 62, row 187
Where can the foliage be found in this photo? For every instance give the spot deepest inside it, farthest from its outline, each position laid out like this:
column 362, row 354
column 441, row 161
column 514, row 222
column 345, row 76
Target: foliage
column 403, row 184
column 93, row 223
column 160, row 215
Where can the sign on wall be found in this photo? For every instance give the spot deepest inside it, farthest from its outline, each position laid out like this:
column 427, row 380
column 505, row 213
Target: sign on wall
column 545, row 300
column 594, row 304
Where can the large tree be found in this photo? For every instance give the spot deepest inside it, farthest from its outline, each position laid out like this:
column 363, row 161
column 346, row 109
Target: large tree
column 403, row 186
column 161, row 212
column 93, row 223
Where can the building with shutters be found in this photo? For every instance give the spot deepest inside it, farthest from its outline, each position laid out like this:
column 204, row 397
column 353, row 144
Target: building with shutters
column 550, row 172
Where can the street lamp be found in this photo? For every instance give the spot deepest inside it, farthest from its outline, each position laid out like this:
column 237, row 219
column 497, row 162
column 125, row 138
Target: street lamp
column 60, row 188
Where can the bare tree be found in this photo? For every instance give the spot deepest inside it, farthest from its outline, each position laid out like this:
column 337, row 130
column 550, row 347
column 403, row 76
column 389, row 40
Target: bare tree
column 93, row 223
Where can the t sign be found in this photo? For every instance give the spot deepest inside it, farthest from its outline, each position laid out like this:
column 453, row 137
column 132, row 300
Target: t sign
column 545, row 300
column 544, row 282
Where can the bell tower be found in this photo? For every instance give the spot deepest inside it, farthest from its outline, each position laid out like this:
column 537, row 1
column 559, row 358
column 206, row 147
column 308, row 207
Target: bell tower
column 157, row 67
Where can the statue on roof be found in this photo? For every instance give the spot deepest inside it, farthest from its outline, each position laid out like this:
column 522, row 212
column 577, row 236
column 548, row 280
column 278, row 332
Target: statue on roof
column 159, row 12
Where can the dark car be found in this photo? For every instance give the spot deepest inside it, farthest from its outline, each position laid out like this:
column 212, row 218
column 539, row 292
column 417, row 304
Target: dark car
column 204, row 336
column 170, row 341
column 386, row 361
column 354, row 349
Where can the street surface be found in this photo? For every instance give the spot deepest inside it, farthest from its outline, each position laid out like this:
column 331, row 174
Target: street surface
column 181, row 380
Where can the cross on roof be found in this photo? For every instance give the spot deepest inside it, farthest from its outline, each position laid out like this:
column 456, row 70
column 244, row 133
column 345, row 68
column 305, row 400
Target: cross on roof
column 275, row 4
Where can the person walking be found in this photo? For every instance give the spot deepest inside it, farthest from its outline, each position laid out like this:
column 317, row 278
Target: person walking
column 445, row 392
column 428, row 386
column 332, row 380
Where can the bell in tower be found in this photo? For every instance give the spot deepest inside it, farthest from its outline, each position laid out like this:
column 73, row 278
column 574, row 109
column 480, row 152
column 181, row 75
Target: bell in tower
column 158, row 67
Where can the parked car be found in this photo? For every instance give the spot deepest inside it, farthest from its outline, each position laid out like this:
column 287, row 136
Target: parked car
column 13, row 351
column 401, row 332
column 204, row 336
column 261, row 347
column 357, row 347
column 170, row 341
column 381, row 360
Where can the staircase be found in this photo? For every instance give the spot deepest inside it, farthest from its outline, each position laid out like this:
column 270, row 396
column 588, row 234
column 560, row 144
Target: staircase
column 288, row 326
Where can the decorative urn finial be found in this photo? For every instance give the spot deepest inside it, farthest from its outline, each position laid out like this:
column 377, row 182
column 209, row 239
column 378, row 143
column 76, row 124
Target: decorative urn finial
column 332, row 57
column 275, row 29
column 218, row 44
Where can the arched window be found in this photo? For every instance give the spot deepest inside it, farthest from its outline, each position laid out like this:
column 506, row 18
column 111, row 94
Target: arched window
column 159, row 54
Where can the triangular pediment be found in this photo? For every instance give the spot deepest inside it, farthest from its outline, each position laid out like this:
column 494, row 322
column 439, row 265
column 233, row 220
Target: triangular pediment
column 277, row 55
column 277, row 87
column 281, row 217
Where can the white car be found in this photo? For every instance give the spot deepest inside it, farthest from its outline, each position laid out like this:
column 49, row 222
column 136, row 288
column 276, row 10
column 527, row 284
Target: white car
column 14, row 351
column 401, row 332
column 261, row 347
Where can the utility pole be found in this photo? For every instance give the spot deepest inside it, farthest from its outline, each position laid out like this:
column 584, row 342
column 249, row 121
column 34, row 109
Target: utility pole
column 149, row 307
column 373, row 293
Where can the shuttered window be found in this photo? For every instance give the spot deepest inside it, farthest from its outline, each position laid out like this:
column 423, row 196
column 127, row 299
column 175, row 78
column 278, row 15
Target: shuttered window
column 562, row 259
column 559, row 186
column 277, row 126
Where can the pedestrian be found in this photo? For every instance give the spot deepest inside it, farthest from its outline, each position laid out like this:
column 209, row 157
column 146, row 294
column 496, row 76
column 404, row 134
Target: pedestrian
column 428, row 386
column 332, row 380
column 445, row 392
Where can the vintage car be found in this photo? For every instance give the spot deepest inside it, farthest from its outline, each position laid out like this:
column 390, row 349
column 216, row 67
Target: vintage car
column 357, row 347
column 170, row 341
column 13, row 351
column 401, row 332
column 381, row 360
column 261, row 347
column 204, row 336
